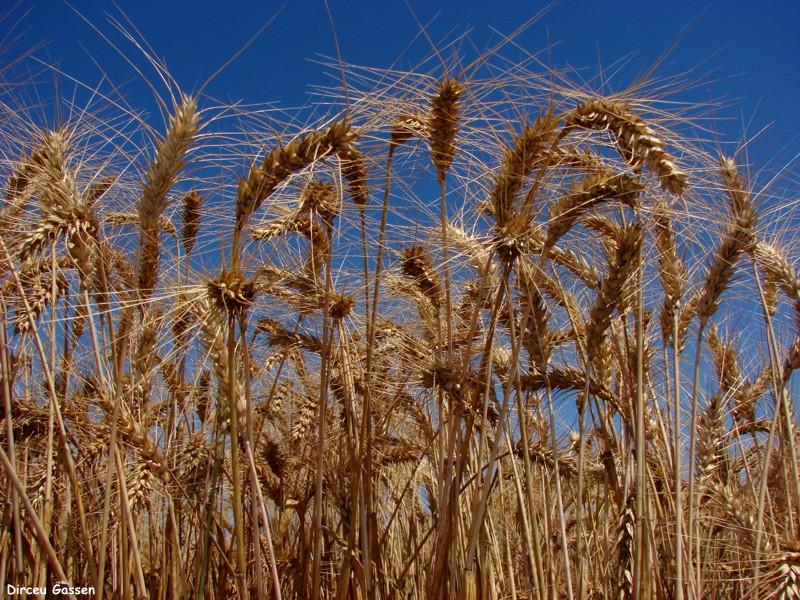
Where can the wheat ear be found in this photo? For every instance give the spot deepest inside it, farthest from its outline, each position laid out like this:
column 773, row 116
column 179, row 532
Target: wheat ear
column 519, row 159
column 638, row 143
column 279, row 164
column 160, row 177
column 443, row 124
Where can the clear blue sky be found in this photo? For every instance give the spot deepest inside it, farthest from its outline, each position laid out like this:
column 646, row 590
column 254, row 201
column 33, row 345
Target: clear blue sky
column 749, row 52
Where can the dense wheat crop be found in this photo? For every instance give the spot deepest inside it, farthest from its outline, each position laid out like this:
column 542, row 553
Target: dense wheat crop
column 476, row 332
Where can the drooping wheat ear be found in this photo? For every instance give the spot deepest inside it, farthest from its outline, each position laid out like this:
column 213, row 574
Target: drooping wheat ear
column 406, row 126
column 280, row 336
column 37, row 283
column 519, row 159
column 575, row 157
column 607, row 227
column 320, row 198
column 622, row 264
column 740, row 518
column 568, row 378
column 783, row 582
column 473, row 247
column 192, row 203
column 354, row 170
column 672, row 270
column 135, row 432
column 780, row 271
column 552, row 288
column 296, row 222
column 542, row 453
column 416, row 265
column 638, row 144
column 583, row 196
column 160, row 177
column 23, row 173
column 572, row 261
column 51, row 227
column 394, row 451
column 310, row 228
column 279, row 164
column 121, row 219
column 443, row 124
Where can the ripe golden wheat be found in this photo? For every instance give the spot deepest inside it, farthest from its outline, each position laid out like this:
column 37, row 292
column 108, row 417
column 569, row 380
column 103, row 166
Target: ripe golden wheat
column 275, row 368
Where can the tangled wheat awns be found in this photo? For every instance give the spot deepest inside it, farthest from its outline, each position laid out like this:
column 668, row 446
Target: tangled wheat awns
column 227, row 372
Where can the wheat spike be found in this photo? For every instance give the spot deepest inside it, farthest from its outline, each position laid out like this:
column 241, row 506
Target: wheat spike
column 443, row 124
column 279, row 164
column 638, row 144
column 407, row 126
column 519, row 159
column 583, row 196
column 780, row 271
column 354, row 170
column 622, row 265
column 417, row 265
column 672, row 270
column 192, row 204
column 160, row 177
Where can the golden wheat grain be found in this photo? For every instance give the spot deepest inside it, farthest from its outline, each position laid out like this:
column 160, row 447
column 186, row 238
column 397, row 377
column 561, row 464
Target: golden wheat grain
column 160, row 177
column 621, row 268
column 639, row 145
column 519, row 159
column 443, row 123
column 279, row 164
column 192, row 212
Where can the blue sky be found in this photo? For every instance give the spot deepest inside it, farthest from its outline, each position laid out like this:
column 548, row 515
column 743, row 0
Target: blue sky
column 747, row 52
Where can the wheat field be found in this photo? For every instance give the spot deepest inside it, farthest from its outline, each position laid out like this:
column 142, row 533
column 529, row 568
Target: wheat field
column 475, row 331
